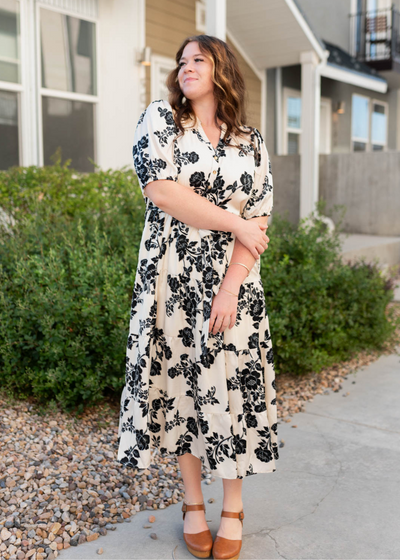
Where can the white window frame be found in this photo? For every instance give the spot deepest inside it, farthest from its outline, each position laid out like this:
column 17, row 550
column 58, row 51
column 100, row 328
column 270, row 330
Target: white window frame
column 158, row 62
column 386, row 105
column 371, row 101
column 289, row 92
column 18, row 88
column 200, row 16
column 94, row 99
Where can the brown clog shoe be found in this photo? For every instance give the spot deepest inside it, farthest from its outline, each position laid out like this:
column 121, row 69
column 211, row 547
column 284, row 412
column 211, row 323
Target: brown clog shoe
column 198, row 544
column 228, row 549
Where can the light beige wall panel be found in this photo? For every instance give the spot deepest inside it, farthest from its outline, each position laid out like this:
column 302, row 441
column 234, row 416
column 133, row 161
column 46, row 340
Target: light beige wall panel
column 168, row 23
column 253, row 87
column 169, row 11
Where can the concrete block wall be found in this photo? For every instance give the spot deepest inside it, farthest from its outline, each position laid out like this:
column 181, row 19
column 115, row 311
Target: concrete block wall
column 368, row 185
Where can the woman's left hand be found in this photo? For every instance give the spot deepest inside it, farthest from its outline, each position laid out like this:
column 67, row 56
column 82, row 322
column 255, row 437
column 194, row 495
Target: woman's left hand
column 223, row 312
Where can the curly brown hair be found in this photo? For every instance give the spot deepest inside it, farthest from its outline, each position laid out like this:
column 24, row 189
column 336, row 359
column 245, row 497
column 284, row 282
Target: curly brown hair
column 230, row 91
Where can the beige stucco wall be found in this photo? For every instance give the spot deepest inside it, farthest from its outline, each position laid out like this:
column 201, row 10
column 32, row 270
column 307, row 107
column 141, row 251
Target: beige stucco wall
column 168, row 23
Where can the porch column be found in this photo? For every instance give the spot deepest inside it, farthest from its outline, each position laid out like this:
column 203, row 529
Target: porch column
column 310, row 112
column 29, row 100
column 216, row 18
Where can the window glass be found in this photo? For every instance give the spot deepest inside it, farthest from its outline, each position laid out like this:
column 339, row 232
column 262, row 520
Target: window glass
column 378, row 124
column 9, row 42
column 294, row 112
column 293, row 143
column 69, row 125
column 9, row 143
column 359, row 117
column 359, row 146
column 68, row 53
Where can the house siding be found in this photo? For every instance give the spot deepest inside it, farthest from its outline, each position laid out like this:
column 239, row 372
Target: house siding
column 253, row 90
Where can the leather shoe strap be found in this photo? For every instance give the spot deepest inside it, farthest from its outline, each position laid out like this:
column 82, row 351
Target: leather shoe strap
column 234, row 514
column 188, row 507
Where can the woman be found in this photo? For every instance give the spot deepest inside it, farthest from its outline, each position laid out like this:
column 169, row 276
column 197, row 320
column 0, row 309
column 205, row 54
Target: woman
column 200, row 379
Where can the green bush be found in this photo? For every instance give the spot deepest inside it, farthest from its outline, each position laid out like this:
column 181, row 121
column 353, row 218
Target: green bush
column 67, row 270
column 66, row 276
column 321, row 310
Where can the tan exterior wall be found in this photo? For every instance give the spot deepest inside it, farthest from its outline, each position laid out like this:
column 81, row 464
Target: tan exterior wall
column 253, row 86
column 168, row 23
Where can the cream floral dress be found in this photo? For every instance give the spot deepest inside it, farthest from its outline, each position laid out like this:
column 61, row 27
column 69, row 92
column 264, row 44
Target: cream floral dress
column 188, row 390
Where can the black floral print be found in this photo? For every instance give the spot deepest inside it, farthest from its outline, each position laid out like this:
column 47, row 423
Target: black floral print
column 188, row 390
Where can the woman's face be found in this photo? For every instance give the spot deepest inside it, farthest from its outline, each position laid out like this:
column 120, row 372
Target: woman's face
column 195, row 73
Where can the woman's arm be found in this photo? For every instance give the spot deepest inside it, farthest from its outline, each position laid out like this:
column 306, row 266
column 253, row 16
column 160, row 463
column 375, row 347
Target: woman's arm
column 236, row 274
column 187, row 206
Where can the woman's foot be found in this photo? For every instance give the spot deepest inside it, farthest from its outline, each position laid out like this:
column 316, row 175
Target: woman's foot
column 195, row 522
column 229, row 527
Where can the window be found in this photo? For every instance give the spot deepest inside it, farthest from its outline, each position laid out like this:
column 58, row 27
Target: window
column 10, row 69
column 9, row 143
column 10, row 80
column 68, row 124
column 160, row 67
column 378, row 125
column 359, row 122
column 200, row 16
column 69, row 88
column 368, row 124
column 292, row 129
column 292, row 120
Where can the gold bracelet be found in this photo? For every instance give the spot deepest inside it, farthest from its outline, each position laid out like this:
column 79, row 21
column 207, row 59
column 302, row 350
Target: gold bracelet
column 225, row 290
column 244, row 266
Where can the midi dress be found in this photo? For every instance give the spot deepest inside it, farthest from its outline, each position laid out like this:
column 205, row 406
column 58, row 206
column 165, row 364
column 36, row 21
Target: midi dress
column 187, row 390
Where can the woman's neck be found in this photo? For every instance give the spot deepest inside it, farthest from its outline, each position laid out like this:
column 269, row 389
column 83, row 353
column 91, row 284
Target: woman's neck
column 205, row 112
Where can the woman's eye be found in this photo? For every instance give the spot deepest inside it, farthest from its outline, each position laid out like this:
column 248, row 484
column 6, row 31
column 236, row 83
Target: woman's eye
column 196, row 59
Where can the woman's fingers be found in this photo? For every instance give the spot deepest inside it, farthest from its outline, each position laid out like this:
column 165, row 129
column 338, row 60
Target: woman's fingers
column 224, row 325
column 215, row 324
column 219, row 325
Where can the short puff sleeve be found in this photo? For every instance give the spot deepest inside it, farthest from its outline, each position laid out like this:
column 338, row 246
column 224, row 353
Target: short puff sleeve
column 260, row 201
column 153, row 147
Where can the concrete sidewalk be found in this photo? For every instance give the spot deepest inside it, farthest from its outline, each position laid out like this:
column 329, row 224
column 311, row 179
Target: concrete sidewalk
column 335, row 493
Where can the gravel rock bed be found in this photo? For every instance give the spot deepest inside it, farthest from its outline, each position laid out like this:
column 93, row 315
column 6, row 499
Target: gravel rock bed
column 60, row 482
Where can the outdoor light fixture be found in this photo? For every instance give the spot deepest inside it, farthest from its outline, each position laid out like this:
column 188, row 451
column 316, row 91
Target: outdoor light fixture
column 340, row 107
column 144, row 56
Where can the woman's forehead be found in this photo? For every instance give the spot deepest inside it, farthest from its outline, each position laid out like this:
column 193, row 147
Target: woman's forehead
column 192, row 46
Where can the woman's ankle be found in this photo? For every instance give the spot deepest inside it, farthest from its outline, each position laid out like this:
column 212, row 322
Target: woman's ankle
column 190, row 500
column 232, row 506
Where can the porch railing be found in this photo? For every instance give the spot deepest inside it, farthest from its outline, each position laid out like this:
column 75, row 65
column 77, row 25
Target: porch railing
column 375, row 35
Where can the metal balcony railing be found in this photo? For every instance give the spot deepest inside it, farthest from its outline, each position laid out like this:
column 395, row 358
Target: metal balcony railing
column 375, row 35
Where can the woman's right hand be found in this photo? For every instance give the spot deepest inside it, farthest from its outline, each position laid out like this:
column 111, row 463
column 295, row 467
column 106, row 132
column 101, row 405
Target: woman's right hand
column 250, row 233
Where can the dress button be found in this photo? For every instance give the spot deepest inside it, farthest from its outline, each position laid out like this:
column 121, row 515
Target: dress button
column 214, row 171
